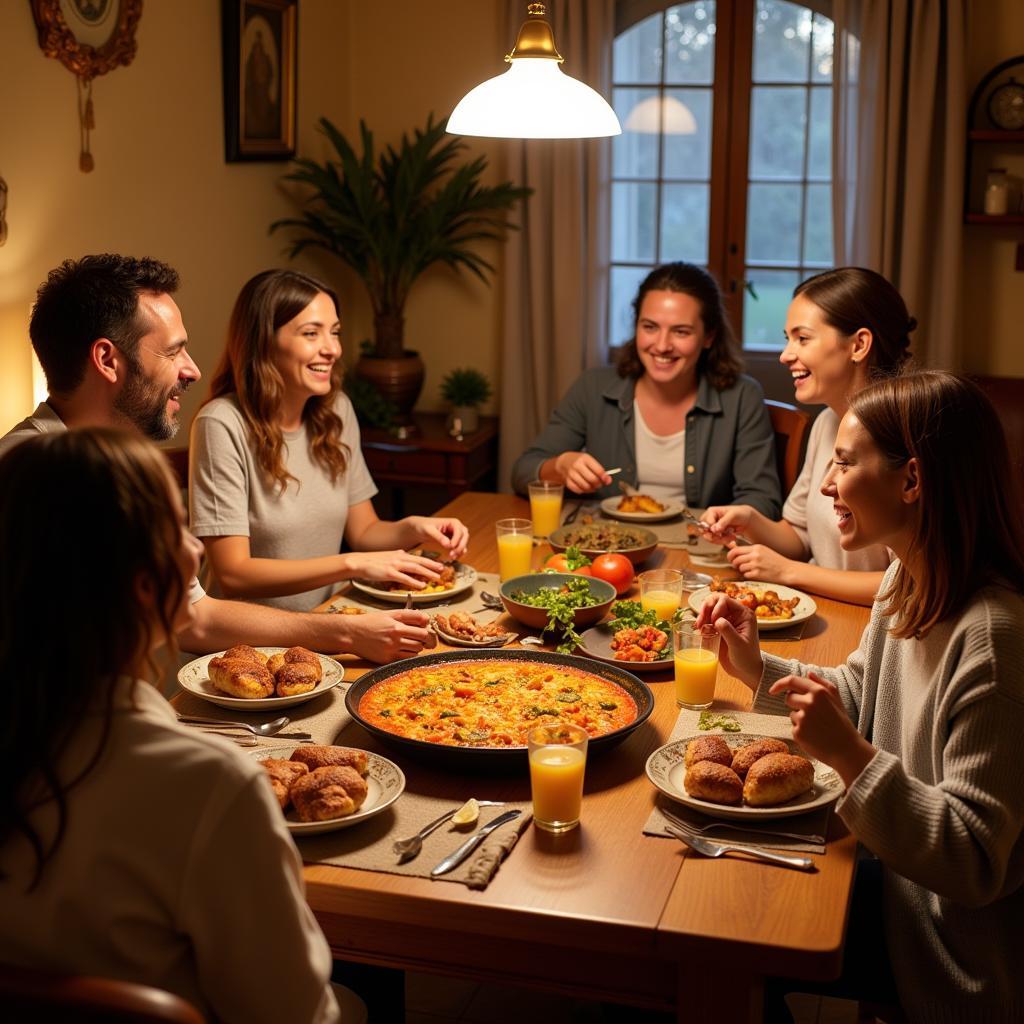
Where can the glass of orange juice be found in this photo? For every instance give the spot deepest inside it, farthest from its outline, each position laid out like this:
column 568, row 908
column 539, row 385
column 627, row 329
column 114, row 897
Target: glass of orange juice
column 661, row 591
column 696, row 661
column 558, row 757
column 545, row 507
column 515, row 547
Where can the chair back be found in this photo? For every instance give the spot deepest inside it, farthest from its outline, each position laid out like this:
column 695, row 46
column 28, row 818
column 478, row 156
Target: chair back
column 46, row 997
column 790, row 425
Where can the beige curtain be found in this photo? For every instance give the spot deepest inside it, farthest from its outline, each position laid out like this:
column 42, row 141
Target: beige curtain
column 899, row 117
column 554, row 295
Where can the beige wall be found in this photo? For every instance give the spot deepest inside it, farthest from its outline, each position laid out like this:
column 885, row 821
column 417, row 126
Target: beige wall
column 993, row 290
column 161, row 186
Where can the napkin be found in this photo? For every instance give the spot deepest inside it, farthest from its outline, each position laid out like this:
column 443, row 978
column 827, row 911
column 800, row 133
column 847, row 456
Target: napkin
column 755, row 833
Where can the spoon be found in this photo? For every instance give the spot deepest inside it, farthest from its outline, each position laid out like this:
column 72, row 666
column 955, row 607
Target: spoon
column 406, row 849
column 491, row 600
column 267, row 729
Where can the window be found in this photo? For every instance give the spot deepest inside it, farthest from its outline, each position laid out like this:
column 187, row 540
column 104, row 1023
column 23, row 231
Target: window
column 725, row 155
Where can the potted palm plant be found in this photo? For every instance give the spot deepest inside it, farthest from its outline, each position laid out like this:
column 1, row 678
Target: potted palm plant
column 391, row 215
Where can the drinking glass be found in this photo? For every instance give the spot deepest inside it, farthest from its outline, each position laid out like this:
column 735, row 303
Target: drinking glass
column 558, row 757
column 696, row 661
column 515, row 547
column 661, row 591
column 545, row 507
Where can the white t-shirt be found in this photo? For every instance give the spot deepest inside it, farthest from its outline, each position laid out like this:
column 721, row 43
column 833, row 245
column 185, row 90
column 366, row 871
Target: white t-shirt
column 659, row 459
column 229, row 496
column 175, row 870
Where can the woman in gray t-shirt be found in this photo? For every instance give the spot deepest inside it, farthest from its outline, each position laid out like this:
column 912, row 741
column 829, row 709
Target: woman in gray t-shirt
column 277, row 480
column 843, row 328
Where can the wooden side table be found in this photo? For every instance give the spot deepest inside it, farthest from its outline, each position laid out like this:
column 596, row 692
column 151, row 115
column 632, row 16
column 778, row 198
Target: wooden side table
column 432, row 460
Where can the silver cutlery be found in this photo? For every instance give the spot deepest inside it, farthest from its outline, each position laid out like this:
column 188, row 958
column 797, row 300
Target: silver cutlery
column 457, row 856
column 490, row 601
column 267, row 729
column 689, row 517
column 710, row 849
column 232, row 731
column 687, row 826
column 406, row 849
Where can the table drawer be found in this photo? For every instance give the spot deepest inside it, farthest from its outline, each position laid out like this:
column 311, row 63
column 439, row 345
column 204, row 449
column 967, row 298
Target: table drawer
column 397, row 465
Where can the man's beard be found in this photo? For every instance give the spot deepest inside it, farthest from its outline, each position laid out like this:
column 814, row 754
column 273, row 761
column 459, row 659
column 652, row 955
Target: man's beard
column 144, row 404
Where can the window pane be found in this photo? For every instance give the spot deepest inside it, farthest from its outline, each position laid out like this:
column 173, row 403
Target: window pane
column 637, row 53
column 764, row 318
column 633, row 213
column 818, row 226
column 773, row 223
column 782, row 36
column 635, row 152
column 624, row 285
column 778, row 122
column 688, row 146
column 822, row 49
column 690, row 43
column 819, row 156
column 684, row 223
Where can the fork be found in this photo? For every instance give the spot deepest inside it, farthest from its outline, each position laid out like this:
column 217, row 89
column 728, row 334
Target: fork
column 686, row 826
column 692, row 520
column 710, row 849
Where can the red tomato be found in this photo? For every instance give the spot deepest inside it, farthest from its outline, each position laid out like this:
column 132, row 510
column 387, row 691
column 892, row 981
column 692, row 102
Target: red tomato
column 614, row 569
column 558, row 563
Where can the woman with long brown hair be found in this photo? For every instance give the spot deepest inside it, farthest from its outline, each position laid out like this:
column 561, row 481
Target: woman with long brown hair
column 277, row 480
column 844, row 328
column 130, row 846
column 675, row 413
column 923, row 721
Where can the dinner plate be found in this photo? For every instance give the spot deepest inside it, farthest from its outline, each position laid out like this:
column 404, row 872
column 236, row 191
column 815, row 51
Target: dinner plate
column 597, row 643
column 610, row 507
column 385, row 783
column 452, row 640
column 666, row 768
column 801, row 613
column 195, row 678
column 646, row 541
column 494, row 758
column 465, row 577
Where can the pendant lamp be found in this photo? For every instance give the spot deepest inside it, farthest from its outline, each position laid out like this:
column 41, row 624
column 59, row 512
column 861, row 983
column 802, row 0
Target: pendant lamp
column 534, row 99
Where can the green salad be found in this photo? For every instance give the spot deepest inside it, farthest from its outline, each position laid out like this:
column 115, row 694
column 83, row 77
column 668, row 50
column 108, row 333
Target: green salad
column 561, row 604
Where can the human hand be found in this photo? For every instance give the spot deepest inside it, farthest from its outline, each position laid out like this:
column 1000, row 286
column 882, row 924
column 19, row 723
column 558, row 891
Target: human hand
column 758, row 562
column 413, row 571
column 724, row 522
column 383, row 637
column 821, row 725
column 581, row 472
column 740, row 654
column 451, row 534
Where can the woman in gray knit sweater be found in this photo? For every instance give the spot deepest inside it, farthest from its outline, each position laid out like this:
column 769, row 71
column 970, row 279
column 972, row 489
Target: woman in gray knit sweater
column 923, row 721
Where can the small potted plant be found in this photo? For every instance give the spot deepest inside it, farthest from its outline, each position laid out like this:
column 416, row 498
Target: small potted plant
column 465, row 390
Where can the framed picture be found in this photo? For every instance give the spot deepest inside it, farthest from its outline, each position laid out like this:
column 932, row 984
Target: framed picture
column 89, row 37
column 260, row 49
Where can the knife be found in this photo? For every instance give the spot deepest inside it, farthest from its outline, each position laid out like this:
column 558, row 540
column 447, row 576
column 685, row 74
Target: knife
column 456, row 857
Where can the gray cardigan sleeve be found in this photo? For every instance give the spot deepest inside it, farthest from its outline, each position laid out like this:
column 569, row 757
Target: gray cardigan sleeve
column 566, row 431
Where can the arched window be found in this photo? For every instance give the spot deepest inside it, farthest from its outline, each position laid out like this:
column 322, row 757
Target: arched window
column 725, row 155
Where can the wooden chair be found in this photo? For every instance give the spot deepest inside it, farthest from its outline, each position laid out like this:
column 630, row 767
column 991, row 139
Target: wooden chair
column 45, row 997
column 790, row 425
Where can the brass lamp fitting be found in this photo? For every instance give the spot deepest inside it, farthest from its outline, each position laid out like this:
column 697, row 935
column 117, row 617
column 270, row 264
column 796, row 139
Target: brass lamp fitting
column 535, row 37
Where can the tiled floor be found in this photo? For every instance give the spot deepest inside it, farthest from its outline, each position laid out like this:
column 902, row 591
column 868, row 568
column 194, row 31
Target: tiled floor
column 434, row 1000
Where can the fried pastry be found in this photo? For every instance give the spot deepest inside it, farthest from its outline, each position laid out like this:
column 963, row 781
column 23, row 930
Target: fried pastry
column 709, row 780
column 320, row 756
column 291, row 680
column 746, row 756
column 238, row 678
column 776, row 778
column 330, row 792
column 708, row 748
column 275, row 661
column 243, row 652
column 300, row 656
column 283, row 775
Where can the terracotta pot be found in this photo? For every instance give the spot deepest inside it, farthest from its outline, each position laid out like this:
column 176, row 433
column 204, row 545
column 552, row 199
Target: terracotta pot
column 400, row 380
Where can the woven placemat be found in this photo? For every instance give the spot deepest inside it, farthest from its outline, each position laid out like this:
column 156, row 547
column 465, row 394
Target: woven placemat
column 814, row 823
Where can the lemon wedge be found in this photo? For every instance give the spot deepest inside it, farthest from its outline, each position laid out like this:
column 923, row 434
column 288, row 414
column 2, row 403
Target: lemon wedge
column 467, row 813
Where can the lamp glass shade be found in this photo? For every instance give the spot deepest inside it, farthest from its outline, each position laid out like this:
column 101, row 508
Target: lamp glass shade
column 534, row 99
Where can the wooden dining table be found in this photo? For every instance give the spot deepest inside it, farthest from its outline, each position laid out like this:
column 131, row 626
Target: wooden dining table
column 605, row 912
